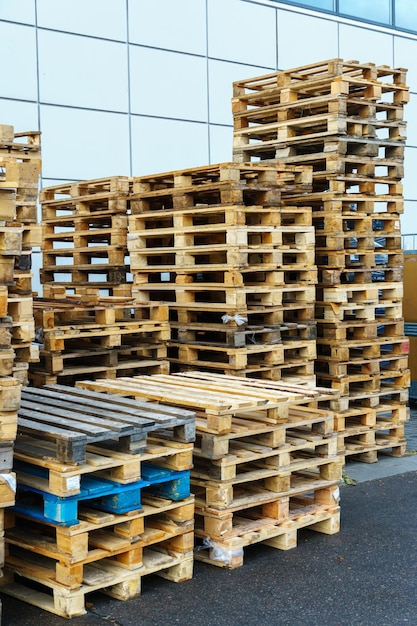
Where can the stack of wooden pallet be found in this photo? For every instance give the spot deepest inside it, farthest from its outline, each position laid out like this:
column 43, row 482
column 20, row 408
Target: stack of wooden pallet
column 87, row 323
column 103, row 498
column 20, row 163
column 93, row 336
column 84, row 237
column 235, row 265
column 345, row 119
column 266, row 460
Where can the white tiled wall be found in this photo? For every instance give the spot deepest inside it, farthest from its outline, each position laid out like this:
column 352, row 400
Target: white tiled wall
column 132, row 87
column 293, row 27
column 78, row 71
column 173, row 25
column 94, row 18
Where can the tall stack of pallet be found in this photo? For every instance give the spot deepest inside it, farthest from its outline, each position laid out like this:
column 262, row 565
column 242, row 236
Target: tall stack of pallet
column 235, row 264
column 20, row 161
column 20, row 165
column 103, row 498
column 87, row 322
column 266, row 460
column 345, row 119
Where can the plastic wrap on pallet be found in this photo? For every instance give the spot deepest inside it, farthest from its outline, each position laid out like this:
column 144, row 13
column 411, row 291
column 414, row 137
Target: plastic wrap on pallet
column 239, row 319
column 218, row 553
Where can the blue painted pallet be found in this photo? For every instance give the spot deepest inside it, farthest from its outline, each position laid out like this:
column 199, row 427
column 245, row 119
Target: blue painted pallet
column 171, row 484
column 100, row 493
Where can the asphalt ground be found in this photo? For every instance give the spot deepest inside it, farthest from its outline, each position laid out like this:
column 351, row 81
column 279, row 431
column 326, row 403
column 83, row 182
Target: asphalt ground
column 365, row 575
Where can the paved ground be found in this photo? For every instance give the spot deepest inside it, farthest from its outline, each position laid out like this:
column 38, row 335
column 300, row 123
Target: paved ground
column 366, row 575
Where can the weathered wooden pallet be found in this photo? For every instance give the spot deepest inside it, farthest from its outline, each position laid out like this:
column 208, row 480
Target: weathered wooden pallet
column 83, row 230
column 292, row 152
column 288, row 107
column 110, row 578
column 389, row 166
column 61, row 289
column 315, row 78
column 233, row 215
column 225, row 183
column 355, row 418
column 224, row 296
column 360, row 383
column 367, row 446
column 308, row 128
column 229, row 553
column 34, row 501
column 73, row 418
column 380, row 366
column 340, row 312
column 248, row 434
column 71, row 362
column 372, row 347
column 168, row 266
column 379, row 225
column 389, row 293
column 258, row 465
column 380, row 273
column 216, row 398
column 83, row 256
column 298, row 372
column 262, row 316
column 86, row 197
column 79, row 336
column 211, row 333
column 101, row 276
column 248, row 489
column 99, row 535
column 346, row 203
column 247, row 358
column 69, row 376
column 357, row 259
column 103, row 459
column 225, row 358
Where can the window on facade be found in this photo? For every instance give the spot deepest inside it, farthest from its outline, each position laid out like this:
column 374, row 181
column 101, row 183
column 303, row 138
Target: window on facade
column 372, row 10
column 328, row 5
column 406, row 14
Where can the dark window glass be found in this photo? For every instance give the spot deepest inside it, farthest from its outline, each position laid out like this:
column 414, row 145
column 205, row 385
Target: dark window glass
column 372, row 10
column 406, row 14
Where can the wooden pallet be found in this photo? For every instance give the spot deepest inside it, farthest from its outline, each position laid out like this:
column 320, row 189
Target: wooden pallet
column 223, row 296
column 216, row 398
column 308, row 128
column 71, row 362
column 100, row 535
column 86, row 198
column 73, row 418
column 34, row 501
column 341, row 312
column 380, row 273
column 83, row 230
column 103, row 459
column 71, row 375
column 292, row 152
column 212, row 333
column 101, row 276
column 234, row 215
column 373, row 347
column 303, row 424
column 262, row 316
column 273, row 492
column 315, row 79
column 109, row 578
column 225, row 184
